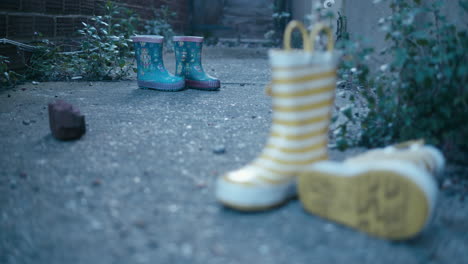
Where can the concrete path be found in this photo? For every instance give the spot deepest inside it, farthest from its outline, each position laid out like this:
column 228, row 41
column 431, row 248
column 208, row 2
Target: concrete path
column 138, row 187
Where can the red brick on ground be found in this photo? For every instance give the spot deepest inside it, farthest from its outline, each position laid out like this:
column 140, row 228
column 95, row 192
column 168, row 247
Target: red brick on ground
column 66, row 121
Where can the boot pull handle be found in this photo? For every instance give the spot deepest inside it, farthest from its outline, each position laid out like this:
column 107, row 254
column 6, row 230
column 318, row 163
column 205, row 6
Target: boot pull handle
column 307, row 45
column 305, row 36
column 319, row 27
column 308, row 41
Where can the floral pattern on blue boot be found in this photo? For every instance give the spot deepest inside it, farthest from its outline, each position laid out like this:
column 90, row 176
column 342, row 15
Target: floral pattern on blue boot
column 151, row 72
column 188, row 63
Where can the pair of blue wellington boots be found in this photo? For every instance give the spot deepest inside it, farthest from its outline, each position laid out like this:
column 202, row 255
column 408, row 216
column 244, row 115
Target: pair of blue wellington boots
column 189, row 71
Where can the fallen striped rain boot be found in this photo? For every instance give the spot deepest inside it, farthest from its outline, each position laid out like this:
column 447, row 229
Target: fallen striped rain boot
column 303, row 89
column 425, row 156
column 151, row 71
column 388, row 193
column 188, row 64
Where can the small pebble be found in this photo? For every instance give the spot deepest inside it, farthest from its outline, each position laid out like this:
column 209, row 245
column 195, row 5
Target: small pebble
column 13, row 185
column 96, row 225
column 23, row 175
column 25, row 122
column 35, row 83
column 329, row 227
column 219, row 150
column 186, row 250
column 446, row 184
column 96, row 183
column 173, row 208
column 140, row 224
column 152, row 244
column 71, row 205
column 124, row 233
column 200, row 185
column 264, row 249
column 218, row 250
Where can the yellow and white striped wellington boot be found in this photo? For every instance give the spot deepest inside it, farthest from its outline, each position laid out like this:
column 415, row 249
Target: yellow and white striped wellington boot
column 425, row 156
column 303, row 90
column 389, row 193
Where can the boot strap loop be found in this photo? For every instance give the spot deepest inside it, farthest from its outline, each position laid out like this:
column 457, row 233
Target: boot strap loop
column 308, row 40
column 319, row 27
column 305, row 36
column 307, row 45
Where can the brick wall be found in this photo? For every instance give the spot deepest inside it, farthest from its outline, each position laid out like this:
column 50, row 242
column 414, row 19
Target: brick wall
column 19, row 19
column 60, row 19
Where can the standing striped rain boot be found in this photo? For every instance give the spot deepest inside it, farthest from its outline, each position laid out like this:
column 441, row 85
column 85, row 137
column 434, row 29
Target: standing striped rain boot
column 388, row 193
column 303, row 91
column 188, row 64
column 151, row 71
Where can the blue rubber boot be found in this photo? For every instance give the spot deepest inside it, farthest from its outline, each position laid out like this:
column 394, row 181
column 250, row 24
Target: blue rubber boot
column 151, row 71
column 188, row 64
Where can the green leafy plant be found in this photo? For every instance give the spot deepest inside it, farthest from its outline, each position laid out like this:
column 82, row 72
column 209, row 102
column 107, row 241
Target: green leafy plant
column 280, row 19
column 421, row 92
column 106, row 45
column 160, row 25
column 8, row 78
column 103, row 51
column 46, row 63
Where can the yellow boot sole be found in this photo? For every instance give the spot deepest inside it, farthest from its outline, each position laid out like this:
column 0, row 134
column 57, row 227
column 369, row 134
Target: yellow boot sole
column 389, row 200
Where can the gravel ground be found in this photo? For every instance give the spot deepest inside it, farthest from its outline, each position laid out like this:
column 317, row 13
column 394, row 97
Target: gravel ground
column 138, row 187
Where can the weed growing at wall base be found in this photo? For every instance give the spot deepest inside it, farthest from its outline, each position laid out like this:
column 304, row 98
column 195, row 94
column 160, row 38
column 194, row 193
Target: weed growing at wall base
column 8, row 78
column 103, row 50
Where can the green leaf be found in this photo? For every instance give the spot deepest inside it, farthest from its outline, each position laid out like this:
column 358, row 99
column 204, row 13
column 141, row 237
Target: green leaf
column 401, row 55
column 122, row 63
